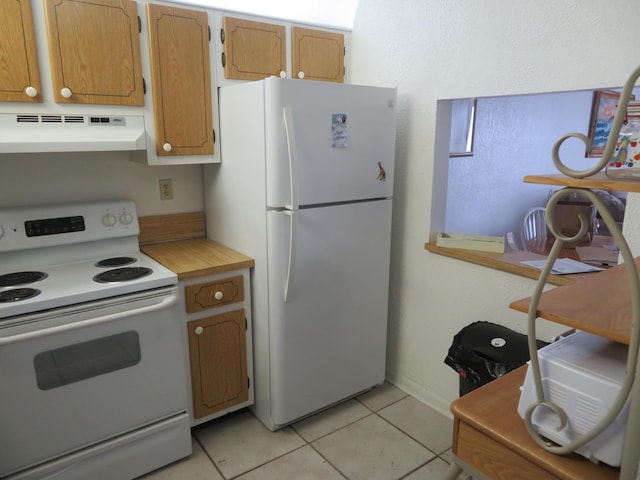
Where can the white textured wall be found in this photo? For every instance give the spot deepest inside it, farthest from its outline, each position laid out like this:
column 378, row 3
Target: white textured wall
column 513, row 137
column 31, row 179
column 452, row 49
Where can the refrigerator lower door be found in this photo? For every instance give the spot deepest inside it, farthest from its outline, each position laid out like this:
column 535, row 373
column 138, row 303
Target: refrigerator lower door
column 328, row 339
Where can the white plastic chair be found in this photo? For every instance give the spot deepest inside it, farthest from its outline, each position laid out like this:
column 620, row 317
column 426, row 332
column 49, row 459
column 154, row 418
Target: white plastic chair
column 533, row 230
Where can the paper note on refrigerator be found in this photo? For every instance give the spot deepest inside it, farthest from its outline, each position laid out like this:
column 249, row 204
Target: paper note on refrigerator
column 339, row 135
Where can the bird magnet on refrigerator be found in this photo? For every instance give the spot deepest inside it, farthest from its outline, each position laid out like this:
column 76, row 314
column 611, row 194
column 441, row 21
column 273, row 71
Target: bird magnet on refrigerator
column 339, row 137
column 382, row 175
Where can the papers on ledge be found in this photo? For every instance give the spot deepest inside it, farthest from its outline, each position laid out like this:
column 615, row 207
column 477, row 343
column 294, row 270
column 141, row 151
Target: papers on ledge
column 598, row 255
column 563, row 266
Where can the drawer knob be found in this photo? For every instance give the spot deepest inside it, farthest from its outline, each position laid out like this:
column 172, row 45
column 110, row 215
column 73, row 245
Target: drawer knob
column 199, row 330
column 218, row 295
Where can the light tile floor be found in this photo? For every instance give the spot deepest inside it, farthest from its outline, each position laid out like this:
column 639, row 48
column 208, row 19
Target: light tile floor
column 383, row 434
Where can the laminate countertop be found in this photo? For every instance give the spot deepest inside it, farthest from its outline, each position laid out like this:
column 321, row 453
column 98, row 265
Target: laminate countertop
column 197, row 257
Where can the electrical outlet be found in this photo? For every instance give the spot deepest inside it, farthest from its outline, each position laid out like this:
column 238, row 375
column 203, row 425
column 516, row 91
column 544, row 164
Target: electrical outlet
column 166, row 189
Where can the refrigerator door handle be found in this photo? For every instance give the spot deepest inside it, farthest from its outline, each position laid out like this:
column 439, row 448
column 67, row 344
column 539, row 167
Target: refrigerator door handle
column 293, row 234
column 291, row 148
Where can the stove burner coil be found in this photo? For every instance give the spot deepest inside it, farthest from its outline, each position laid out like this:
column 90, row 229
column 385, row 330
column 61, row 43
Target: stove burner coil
column 115, row 262
column 122, row 274
column 17, row 294
column 20, row 278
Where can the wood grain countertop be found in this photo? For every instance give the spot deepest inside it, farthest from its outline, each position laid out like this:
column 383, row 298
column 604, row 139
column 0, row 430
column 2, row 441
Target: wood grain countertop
column 197, row 257
column 510, row 261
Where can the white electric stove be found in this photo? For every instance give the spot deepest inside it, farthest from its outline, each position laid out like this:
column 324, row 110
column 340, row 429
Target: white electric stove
column 93, row 347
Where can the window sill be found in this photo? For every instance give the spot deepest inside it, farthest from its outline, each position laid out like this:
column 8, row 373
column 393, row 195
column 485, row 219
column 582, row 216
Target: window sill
column 507, row 262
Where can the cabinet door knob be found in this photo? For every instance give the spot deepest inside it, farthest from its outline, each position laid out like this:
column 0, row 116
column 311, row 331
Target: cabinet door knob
column 166, row 147
column 199, row 330
column 31, row 91
column 218, row 295
column 283, row 74
column 301, row 75
column 66, row 92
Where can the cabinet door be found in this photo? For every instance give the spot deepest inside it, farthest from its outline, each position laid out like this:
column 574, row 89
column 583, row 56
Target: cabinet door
column 94, row 49
column 317, row 55
column 253, row 50
column 218, row 356
column 181, row 79
column 19, row 74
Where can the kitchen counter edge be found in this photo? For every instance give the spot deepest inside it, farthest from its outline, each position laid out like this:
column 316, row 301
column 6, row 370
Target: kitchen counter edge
column 198, row 257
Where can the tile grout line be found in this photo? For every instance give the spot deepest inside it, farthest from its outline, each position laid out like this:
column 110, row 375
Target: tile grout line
column 371, row 411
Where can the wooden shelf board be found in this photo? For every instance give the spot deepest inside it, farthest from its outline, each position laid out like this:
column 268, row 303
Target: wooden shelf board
column 598, row 181
column 600, row 304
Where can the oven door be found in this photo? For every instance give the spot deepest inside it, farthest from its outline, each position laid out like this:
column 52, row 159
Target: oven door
column 77, row 376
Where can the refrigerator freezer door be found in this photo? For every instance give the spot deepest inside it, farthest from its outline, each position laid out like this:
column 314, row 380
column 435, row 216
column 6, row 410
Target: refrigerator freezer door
column 328, row 340
column 338, row 142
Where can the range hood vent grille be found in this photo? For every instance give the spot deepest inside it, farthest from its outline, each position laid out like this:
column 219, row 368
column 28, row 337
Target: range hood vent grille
column 31, row 133
column 50, row 119
column 28, row 118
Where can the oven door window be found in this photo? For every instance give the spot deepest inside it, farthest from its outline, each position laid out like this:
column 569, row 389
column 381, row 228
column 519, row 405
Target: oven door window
column 74, row 363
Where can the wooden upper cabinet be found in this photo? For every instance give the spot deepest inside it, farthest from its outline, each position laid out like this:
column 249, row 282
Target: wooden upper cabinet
column 253, row 50
column 317, row 55
column 19, row 73
column 181, row 79
column 94, row 50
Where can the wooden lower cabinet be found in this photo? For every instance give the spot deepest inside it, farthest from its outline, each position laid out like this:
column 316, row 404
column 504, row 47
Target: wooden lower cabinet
column 218, row 358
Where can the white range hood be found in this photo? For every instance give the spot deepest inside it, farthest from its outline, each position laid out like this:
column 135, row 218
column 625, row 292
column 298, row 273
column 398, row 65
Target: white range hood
column 36, row 133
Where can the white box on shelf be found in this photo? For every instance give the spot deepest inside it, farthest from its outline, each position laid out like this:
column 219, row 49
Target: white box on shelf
column 582, row 374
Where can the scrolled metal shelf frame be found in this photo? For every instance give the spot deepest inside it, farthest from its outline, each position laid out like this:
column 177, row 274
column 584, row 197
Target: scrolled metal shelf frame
column 630, row 388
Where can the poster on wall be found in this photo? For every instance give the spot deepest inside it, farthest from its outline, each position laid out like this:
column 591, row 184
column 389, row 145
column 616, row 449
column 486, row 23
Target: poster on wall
column 603, row 110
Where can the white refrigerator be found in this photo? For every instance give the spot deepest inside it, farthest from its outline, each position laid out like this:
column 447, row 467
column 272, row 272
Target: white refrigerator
column 305, row 187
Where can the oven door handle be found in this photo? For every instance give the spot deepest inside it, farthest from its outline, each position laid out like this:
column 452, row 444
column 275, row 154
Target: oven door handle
column 21, row 337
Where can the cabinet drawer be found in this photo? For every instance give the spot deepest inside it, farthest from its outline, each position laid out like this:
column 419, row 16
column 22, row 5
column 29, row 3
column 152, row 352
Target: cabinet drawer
column 203, row 296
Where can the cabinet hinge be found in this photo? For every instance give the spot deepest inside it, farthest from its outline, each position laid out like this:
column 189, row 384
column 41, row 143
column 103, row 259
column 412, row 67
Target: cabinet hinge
column 139, row 24
column 209, row 30
column 144, row 87
column 248, row 383
column 344, row 51
column 222, row 35
column 246, row 325
column 214, row 141
column 224, row 60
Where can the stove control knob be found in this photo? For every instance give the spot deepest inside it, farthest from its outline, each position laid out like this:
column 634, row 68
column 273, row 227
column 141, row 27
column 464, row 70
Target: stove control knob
column 199, row 330
column 125, row 218
column 218, row 295
column 109, row 220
